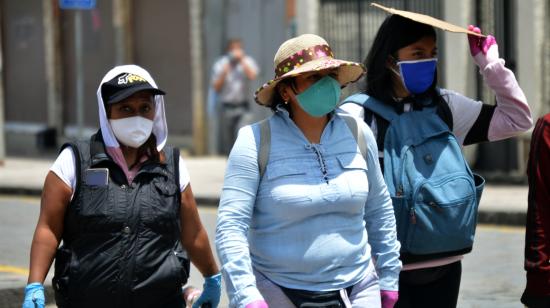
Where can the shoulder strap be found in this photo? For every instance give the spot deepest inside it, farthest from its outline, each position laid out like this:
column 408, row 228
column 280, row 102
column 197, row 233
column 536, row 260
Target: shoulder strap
column 176, row 161
column 444, row 112
column 357, row 133
column 381, row 127
column 265, row 140
column 265, row 145
column 383, row 110
column 358, row 99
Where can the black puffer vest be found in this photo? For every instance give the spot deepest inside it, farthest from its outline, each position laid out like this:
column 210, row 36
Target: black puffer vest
column 121, row 242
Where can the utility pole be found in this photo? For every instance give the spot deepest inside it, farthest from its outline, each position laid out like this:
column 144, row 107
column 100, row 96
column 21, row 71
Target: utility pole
column 78, row 6
column 122, row 33
column 52, row 46
column 2, row 131
column 197, row 75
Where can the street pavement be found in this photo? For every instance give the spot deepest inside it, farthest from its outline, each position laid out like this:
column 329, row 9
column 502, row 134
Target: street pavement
column 492, row 276
column 493, row 272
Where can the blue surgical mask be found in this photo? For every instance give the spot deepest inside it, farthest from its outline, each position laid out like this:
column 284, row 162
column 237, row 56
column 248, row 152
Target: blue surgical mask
column 417, row 75
column 321, row 97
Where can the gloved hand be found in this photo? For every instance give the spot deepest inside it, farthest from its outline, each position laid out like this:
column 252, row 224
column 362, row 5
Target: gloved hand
column 211, row 292
column 388, row 298
column 257, row 304
column 483, row 49
column 34, row 296
column 478, row 43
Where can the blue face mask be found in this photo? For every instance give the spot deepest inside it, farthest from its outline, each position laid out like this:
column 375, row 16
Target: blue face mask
column 321, row 97
column 417, row 75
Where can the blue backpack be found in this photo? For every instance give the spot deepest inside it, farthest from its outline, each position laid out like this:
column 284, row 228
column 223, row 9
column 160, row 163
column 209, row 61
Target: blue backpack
column 435, row 194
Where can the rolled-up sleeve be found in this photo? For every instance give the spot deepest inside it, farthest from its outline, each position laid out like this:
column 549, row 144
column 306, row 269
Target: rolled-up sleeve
column 234, row 216
column 380, row 220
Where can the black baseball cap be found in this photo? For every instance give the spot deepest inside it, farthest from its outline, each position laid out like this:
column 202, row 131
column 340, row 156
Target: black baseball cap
column 123, row 86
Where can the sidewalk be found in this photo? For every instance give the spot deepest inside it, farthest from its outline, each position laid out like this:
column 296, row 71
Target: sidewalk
column 500, row 204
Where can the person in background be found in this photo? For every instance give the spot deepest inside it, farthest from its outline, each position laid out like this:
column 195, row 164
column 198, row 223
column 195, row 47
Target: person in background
column 232, row 74
column 537, row 233
column 304, row 215
column 402, row 78
column 122, row 205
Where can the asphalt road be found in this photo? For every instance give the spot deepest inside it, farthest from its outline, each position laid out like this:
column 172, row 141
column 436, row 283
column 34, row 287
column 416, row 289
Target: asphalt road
column 492, row 276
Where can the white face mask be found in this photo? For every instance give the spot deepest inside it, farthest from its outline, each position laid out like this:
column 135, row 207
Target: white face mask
column 132, row 131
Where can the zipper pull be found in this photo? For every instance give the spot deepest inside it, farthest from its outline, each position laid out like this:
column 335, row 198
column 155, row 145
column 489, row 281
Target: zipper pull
column 413, row 216
column 435, row 206
column 399, row 191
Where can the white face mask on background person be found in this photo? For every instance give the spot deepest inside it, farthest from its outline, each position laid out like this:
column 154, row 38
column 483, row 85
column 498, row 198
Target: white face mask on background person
column 132, row 131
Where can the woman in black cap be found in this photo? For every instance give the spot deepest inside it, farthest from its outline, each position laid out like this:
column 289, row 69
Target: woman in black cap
column 122, row 204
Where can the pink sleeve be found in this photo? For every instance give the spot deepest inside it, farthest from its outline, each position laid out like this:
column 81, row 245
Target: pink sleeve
column 512, row 114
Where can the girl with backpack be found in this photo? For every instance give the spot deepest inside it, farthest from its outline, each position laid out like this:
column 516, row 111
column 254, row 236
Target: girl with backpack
column 304, row 210
column 420, row 129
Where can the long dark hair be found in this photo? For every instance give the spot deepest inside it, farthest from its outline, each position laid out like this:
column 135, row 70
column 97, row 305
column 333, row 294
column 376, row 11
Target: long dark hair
column 395, row 33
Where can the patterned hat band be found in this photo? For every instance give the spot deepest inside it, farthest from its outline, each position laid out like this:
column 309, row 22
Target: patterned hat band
column 301, row 57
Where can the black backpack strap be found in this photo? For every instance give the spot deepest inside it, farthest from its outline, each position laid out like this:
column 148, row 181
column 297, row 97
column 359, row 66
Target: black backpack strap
column 381, row 129
column 176, row 162
column 444, row 112
column 381, row 126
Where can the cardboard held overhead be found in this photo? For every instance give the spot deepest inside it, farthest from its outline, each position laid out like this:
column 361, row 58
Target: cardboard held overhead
column 429, row 20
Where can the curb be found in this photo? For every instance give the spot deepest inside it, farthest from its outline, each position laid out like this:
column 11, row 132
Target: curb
column 485, row 217
column 502, row 218
column 21, row 191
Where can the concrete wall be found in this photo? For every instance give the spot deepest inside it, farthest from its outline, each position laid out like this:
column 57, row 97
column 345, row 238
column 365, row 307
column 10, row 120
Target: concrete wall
column 459, row 69
column 530, row 23
column 307, row 17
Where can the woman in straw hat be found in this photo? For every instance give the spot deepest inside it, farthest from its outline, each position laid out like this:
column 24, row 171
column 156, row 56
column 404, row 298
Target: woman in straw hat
column 308, row 229
column 435, row 211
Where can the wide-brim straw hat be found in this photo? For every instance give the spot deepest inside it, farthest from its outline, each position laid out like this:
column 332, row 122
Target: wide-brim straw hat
column 302, row 54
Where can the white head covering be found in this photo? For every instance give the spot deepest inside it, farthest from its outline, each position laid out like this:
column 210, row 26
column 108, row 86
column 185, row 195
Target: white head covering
column 160, row 129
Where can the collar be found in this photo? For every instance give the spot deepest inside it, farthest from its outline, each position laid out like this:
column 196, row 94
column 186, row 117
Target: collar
column 97, row 150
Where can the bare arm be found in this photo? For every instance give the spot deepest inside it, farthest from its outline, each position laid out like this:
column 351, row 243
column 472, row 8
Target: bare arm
column 248, row 70
column 220, row 81
column 194, row 237
column 56, row 196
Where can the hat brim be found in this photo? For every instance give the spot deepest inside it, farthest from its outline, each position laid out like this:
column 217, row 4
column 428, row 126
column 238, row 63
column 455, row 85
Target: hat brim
column 348, row 72
column 121, row 95
column 428, row 20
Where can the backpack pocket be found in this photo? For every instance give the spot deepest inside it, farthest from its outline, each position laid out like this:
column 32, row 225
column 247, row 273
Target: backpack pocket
column 442, row 215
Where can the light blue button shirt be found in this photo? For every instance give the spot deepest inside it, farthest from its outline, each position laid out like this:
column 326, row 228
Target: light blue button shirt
column 312, row 219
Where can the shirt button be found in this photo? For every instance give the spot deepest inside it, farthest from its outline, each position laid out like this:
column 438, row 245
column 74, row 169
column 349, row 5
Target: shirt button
column 126, row 230
column 123, row 186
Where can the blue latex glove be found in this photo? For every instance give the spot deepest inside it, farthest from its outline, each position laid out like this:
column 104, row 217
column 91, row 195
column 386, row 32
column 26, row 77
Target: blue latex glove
column 211, row 293
column 34, row 296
